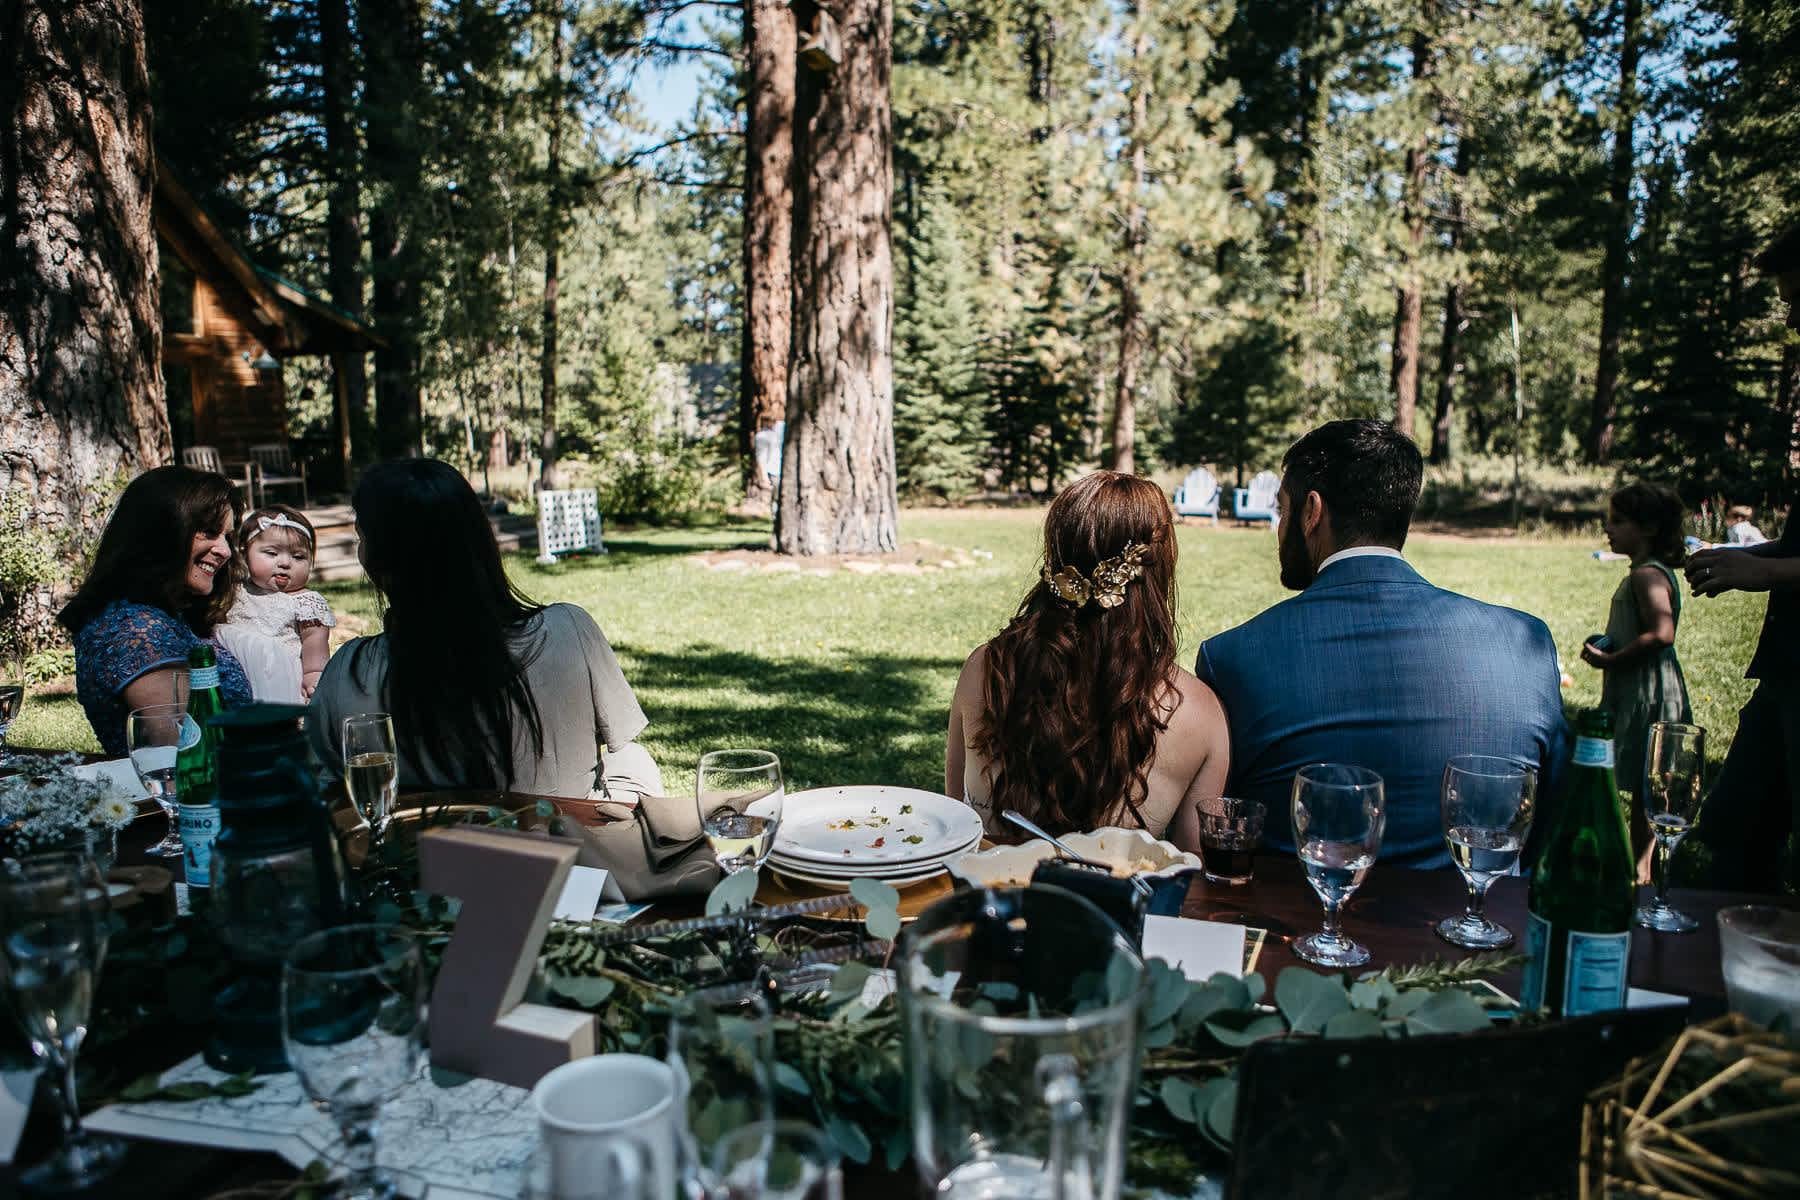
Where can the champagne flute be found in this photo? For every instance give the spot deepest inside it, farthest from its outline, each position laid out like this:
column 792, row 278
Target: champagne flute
column 739, row 796
column 352, row 1023
column 1339, row 814
column 155, row 736
column 53, row 930
column 371, row 768
column 1487, row 804
column 1673, row 759
column 12, row 699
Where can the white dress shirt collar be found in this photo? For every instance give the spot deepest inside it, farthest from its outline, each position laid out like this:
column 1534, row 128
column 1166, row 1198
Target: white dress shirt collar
column 1362, row 552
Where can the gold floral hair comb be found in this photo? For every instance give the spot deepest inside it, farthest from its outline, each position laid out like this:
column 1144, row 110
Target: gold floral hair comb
column 1107, row 588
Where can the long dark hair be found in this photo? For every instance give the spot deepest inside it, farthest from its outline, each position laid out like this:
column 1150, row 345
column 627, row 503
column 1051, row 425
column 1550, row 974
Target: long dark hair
column 455, row 686
column 148, row 545
column 1655, row 508
column 1073, row 693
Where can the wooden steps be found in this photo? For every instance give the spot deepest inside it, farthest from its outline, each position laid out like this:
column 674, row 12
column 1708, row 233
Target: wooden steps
column 335, row 525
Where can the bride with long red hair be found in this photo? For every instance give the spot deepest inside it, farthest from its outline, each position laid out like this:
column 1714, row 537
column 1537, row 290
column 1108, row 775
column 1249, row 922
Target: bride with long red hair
column 1076, row 714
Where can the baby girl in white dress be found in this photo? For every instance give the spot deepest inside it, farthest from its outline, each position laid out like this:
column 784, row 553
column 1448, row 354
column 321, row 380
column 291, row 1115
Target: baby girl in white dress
column 277, row 629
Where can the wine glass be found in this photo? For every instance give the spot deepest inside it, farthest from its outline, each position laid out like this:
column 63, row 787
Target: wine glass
column 12, row 698
column 371, row 768
column 739, row 796
column 778, row 1160
column 53, row 926
column 1339, row 815
column 352, row 1023
column 1487, row 805
column 1673, row 758
column 155, row 735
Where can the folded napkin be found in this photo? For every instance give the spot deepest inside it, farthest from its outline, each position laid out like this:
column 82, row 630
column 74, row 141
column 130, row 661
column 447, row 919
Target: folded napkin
column 655, row 850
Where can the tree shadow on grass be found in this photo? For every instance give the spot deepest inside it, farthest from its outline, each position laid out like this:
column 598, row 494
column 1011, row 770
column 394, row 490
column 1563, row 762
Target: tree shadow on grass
column 849, row 719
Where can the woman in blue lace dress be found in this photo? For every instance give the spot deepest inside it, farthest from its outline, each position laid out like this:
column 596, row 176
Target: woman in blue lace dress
column 163, row 580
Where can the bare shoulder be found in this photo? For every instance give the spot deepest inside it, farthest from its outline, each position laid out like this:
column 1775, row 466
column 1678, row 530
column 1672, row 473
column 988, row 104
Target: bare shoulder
column 1196, row 704
column 968, row 683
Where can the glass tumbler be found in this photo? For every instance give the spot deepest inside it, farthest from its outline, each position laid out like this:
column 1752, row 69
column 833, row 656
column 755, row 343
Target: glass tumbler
column 1020, row 1009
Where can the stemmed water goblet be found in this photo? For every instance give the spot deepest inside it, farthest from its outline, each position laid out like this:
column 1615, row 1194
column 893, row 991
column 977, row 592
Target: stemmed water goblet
column 353, row 1024
column 1673, row 759
column 1339, row 814
column 1487, row 804
column 371, row 768
column 155, row 735
column 12, row 698
column 739, row 794
column 53, row 931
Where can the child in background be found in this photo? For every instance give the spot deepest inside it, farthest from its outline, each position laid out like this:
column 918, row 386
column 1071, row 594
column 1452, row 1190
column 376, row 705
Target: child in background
column 1741, row 532
column 1643, row 682
column 277, row 628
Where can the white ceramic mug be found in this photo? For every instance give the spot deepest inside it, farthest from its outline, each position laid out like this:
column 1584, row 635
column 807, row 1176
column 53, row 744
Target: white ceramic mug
column 589, row 1108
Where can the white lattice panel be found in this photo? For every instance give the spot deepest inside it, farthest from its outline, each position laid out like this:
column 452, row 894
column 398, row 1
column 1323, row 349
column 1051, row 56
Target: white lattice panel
column 568, row 520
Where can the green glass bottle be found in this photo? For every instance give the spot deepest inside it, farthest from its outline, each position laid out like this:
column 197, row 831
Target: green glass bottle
column 197, row 773
column 1584, row 890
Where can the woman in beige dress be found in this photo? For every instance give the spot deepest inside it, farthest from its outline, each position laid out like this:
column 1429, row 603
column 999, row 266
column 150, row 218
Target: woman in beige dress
column 1076, row 714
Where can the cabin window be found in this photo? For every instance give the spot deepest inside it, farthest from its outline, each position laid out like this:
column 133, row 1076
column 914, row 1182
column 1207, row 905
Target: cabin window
column 177, row 295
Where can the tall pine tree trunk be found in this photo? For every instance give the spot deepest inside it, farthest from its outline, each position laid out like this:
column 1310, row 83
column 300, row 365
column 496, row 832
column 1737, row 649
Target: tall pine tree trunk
column 394, row 55
column 837, row 477
column 1444, row 419
column 553, row 219
column 343, row 228
column 770, row 45
column 1409, row 297
column 1605, row 411
column 1131, row 331
column 80, row 324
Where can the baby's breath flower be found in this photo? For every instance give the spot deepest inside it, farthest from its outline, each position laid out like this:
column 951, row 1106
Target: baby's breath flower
column 47, row 804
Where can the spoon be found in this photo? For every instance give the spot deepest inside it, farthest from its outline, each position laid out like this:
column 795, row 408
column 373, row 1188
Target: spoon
column 1033, row 828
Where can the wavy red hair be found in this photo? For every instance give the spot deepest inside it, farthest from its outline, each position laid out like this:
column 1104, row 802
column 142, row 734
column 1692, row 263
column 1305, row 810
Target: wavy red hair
column 1075, row 697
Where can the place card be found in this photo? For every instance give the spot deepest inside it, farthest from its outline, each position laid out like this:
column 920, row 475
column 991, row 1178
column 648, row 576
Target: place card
column 1198, row 949
column 582, row 892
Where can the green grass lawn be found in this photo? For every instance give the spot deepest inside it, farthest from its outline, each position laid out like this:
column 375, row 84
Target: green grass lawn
column 848, row 677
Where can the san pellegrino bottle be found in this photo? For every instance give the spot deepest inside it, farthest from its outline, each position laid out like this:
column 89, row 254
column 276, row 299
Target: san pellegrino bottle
column 1584, row 890
column 197, row 773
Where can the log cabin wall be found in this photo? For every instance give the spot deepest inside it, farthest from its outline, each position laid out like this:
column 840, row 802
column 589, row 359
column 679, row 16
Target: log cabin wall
column 228, row 327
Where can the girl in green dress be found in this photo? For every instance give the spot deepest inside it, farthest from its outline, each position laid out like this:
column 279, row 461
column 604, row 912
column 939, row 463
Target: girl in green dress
column 1643, row 681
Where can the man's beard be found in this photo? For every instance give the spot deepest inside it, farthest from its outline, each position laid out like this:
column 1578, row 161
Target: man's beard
column 1297, row 571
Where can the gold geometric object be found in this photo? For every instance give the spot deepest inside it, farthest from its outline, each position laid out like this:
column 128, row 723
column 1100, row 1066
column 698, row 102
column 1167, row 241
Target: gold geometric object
column 1716, row 1117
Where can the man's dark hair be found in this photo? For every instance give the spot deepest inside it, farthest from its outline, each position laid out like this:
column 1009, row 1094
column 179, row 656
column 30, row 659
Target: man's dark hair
column 1367, row 472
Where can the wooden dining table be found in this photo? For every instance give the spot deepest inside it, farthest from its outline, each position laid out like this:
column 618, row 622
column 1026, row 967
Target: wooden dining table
column 1393, row 913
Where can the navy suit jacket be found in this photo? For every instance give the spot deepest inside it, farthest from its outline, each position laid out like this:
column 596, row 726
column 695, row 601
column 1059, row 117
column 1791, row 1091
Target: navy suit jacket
column 1372, row 665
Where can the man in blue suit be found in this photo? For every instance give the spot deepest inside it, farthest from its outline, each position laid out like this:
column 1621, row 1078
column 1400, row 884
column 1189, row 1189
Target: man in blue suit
column 1370, row 664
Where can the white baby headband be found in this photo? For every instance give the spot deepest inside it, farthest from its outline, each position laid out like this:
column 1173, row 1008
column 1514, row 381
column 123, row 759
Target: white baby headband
column 281, row 521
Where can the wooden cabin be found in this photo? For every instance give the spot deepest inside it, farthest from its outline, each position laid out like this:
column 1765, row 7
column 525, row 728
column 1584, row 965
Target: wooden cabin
column 227, row 326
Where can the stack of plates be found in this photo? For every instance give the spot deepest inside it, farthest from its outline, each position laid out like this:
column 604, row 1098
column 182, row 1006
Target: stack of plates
column 833, row 836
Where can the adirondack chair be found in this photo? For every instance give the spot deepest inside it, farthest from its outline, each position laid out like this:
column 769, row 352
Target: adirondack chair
column 1257, row 502
column 1198, row 495
column 276, row 466
column 206, row 458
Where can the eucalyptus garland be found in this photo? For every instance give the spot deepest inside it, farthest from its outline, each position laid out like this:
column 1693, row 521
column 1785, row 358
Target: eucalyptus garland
column 837, row 1045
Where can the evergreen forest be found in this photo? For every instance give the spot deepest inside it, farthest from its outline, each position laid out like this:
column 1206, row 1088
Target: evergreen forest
column 1146, row 233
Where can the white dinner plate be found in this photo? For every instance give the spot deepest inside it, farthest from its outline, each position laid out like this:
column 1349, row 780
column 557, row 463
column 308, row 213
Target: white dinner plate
column 906, row 880
column 850, row 868
column 874, row 824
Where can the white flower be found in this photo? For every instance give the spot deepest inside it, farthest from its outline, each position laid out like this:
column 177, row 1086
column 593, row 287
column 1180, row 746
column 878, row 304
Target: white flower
column 47, row 804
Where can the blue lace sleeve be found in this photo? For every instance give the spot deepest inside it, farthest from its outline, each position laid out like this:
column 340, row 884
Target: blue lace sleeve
column 113, row 649
column 122, row 643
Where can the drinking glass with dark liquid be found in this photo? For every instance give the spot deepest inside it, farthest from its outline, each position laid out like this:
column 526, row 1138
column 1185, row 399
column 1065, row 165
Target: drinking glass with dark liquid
column 1230, row 830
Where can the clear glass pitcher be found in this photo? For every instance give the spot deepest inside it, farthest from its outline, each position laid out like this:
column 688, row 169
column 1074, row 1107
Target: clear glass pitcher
column 1021, row 1010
